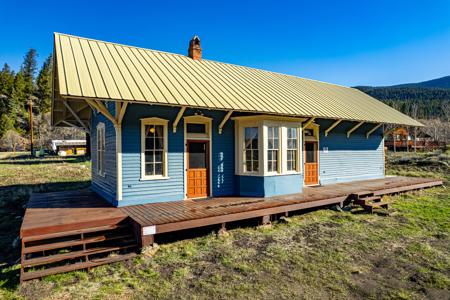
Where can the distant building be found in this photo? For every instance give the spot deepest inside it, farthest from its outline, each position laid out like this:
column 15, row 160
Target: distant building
column 403, row 140
column 69, row 147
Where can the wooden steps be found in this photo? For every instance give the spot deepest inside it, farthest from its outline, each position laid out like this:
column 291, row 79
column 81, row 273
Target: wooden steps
column 65, row 251
column 76, row 266
column 368, row 201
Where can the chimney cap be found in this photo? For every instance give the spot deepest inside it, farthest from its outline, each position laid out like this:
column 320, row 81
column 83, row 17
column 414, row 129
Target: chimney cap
column 195, row 49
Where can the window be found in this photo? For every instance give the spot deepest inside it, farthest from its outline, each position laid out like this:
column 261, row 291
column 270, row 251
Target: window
column 273, row 147
column 101, row 149
column 292, row 149
column 154, row 141
column 195, row 128
column 251, row 155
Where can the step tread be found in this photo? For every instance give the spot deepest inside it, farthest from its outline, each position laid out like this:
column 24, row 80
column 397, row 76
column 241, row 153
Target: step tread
column 363, row 193
column 63, row 256
column 378, row 204
column 52, row 246
column 77, row 266
column 77, row 242
column 73, row 232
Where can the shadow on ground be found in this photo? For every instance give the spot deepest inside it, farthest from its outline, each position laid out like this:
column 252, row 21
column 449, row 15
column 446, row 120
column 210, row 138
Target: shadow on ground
column 27, row 160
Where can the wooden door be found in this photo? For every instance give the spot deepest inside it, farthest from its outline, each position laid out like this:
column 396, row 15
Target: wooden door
column 197, row 169
column 311, row 163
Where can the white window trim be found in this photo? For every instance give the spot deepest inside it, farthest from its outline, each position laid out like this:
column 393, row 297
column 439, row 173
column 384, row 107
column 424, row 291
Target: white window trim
column 298, row 167
column 101, row 127
column 164, row 123
column 262, row 125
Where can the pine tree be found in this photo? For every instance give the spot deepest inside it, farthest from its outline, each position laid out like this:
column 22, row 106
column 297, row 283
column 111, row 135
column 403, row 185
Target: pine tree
column 28, row 70
column 44, row 86
column 6, row 102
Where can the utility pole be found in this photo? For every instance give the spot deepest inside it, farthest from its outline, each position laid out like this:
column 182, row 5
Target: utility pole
column 31, row 125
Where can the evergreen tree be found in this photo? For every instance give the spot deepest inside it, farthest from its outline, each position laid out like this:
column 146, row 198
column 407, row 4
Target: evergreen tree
column 44, row 86
column 28, row 70
column 6, row 102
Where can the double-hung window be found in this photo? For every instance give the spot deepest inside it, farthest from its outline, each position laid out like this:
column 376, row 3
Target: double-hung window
column 101, row 149
column 251, row 152
column 273, row 148
column 154, row 148
column 292, row 149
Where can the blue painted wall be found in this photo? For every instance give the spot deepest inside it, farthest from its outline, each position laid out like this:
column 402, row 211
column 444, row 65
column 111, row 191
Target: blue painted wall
column 105, row 186
column 137, row 191
column 349, row 159
column 259, row 186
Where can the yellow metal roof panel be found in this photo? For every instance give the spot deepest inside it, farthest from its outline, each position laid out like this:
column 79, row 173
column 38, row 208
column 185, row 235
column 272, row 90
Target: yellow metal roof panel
column 89, row 68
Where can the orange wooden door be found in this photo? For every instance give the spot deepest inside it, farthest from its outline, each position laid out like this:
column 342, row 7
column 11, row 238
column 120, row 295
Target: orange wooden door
column 311, row 163
column 197, row 169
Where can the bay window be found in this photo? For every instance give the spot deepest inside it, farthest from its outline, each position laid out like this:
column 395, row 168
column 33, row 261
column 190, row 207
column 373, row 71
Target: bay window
column 268, row 145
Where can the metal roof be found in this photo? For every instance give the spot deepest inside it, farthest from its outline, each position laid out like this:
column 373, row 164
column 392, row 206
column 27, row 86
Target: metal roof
column 87, row 68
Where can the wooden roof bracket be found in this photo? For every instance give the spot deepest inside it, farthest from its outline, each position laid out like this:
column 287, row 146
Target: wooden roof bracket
column 224, row 121
column 83, row 125
column 121, row 108
column 354, row 128
column 102, row 109
column 327, row 131
column 373, row 130
column 308, row 122
column 178, row 118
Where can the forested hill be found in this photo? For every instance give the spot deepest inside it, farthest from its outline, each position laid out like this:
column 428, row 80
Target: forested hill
column 443, row 83
column 415, row 100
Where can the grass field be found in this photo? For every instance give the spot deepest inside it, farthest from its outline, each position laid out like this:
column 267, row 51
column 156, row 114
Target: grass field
column 322, row 254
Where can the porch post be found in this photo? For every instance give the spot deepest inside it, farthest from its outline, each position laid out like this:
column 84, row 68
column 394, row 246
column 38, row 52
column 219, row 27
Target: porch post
column 118, row 128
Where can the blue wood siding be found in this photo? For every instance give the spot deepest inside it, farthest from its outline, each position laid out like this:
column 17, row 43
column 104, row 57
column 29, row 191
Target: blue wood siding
column 349, row 159
column 267, row 186
column 137, row 191
column 105, row 186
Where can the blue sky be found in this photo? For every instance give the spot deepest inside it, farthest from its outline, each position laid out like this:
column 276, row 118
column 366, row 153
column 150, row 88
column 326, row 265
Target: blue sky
column 344, row 42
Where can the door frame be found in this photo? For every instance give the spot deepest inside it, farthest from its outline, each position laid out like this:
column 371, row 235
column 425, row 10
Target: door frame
column 314, row 138
column 208, row 166
column 197, row 119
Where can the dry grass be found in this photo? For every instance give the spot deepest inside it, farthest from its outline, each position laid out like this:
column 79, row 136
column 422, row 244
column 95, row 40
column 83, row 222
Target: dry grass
column 316, row 255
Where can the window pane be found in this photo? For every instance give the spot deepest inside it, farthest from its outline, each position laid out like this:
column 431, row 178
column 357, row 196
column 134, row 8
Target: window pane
column 149, row 169
column 255, row 166
column 248, row 166
column 269, row 155
column 248, row 155
column 195, row 128
column 255, row 154
column 197, row 155
column 158, row 169
column 310, row 152
column 149, row 143
column 149, row 156
column 159, row 143
column 158, row 156
column 159, row 131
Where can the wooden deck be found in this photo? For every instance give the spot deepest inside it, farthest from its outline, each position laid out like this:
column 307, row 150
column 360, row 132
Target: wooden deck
column 70, row 210
column 78, row 229
column 177, row 215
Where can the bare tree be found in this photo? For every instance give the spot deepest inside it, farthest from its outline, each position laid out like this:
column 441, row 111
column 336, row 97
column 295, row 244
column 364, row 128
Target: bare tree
column 12, row 139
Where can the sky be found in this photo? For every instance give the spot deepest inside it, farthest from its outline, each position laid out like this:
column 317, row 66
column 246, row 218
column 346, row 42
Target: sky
column 344, row 42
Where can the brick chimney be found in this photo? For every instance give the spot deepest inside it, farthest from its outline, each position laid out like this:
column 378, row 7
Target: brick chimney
column 195, row 50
